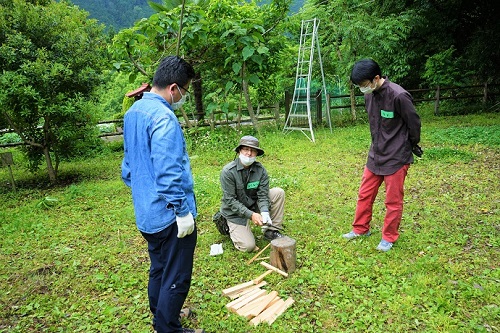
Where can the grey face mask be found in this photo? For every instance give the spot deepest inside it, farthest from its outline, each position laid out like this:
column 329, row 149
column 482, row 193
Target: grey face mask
column 177, row 105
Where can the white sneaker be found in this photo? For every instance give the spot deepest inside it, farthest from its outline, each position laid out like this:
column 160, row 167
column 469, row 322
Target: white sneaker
column 384, row 246
column 351, row 235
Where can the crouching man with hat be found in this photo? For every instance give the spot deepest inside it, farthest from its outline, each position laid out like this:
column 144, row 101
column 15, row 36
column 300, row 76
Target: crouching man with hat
column 246, row 197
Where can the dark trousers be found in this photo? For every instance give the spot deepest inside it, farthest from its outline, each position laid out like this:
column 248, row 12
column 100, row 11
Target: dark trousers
column 169, row 276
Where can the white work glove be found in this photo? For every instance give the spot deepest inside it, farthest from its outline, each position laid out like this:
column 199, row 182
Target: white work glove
column 266, row 219
column 185, row 225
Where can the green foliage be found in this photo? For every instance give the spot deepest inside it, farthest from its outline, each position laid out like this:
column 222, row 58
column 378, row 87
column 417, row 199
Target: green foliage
column 469, row 135
column 51, row 58
column 47, row 203
column 9, row 138
column 116, row 14
column 448, row 155
column 436, row 28
column 448, row 42
column 241, row 45
column 126, row 104
column 355, row 30
column 120, row 14
column 111, row 100
column 442, row 69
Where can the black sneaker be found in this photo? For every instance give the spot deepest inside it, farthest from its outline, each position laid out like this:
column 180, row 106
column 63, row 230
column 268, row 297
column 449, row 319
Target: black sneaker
column 272, row 234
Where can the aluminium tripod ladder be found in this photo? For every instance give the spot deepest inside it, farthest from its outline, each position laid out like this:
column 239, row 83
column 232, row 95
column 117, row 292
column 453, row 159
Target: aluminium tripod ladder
column 300, row 108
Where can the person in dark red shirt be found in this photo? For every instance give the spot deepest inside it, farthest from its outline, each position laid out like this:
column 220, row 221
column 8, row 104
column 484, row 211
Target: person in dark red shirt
column 395, row 134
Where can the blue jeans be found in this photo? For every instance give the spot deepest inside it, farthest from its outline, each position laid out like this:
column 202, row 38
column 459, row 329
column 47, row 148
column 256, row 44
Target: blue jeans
column 169, row 276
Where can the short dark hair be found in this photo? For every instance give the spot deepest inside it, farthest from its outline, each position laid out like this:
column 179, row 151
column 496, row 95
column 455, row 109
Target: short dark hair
column 173, row 69
column 365, row 69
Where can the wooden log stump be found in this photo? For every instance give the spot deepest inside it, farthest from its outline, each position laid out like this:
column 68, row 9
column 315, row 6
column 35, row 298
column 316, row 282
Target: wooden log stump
column 283, row 255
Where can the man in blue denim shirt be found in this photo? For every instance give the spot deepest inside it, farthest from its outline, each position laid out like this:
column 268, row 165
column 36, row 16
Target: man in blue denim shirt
column 156, row 167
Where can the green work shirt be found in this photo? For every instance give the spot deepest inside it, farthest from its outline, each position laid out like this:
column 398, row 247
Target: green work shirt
column 244, row 191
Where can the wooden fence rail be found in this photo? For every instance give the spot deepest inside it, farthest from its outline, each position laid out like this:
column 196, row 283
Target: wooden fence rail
column 193, row 123
column 488, row 92
column 438, row 94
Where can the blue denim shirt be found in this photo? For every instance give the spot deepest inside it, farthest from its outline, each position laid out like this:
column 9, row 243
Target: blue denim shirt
column 156, row 164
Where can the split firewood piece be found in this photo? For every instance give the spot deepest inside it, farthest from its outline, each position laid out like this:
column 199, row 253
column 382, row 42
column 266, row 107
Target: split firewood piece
column 280, row 311
column 268, row 312
column 243, row 297
column 250, row 305
column 259, row 306
column 264, row 304
column 242, row 292
column 258, row 254
column 277, row 298
column 259, row 279
column 243, row 301
column 237, row 288
column 277, row 270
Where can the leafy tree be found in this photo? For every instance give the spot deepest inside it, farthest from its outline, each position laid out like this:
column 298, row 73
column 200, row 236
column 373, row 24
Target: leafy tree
column 227, row 42
column 351, row 30
column 443, row 69
column 417, row 43
column 469, row 28
column 51, row 58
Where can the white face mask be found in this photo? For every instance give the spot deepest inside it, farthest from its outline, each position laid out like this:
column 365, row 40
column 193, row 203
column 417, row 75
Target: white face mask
column 178, row 104
column 366, row 90
column 246, row 161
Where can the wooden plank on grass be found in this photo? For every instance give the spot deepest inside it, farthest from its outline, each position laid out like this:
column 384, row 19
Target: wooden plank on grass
column 237, row 288
column 246, row 300
column 268, row 312
column 242, row 292
column 280, row 311
column 262, row 276
column 242, row 298
column 277, row 270
column 247, row 307
column 263, row 304
column 258, row 254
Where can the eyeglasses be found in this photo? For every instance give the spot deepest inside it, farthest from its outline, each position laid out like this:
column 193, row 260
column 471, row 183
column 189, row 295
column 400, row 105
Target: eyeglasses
column 252, row 151
column 187, row 91
column 365, row 86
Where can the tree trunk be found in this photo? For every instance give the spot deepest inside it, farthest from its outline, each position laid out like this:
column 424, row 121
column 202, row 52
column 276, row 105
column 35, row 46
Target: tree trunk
column 177, row 49
column 353, row 103
column 198, row 96
column 186, row 119
column 247, row 99
column 58, row 160
column 50, row 168
column 46, row 150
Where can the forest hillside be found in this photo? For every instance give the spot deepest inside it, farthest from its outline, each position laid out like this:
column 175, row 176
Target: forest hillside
column 119, row 14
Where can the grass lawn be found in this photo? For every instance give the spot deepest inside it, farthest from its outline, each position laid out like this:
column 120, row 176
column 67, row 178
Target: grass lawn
column 71, row 259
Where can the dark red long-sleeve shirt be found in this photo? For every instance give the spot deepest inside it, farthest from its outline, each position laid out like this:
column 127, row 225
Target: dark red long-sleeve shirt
column 394, row 126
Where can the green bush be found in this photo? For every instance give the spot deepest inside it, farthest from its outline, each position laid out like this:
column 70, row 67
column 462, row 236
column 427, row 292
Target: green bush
column 9, row 138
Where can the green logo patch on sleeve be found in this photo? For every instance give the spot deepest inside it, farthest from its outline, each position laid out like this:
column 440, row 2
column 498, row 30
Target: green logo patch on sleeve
column 387, row 114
